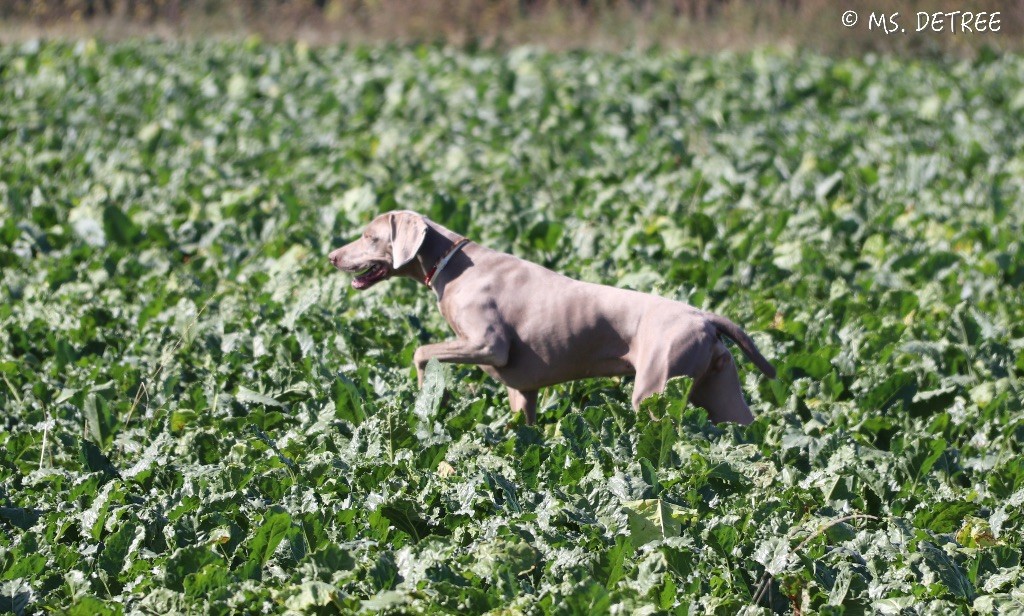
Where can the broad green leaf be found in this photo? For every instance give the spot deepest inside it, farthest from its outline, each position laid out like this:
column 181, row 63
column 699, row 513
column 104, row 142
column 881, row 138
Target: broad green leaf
column 116, row 548
column 384, row 573
column 405, row 517
column 99, row 419
column 311, row 594
column 332, row 558
column 653, row 519
column 774, row 553
column 92, row 606
column 940, row 567
column 244, row 394
column 669, row 403
column 16, row 595
column 943, row 517
column 613, row 562
column 28, row 567
column 545, row 235
column 814, row 365
column 19, row 517
column 208, row 579
column 187, row 561
column 94, row 460
column 118, row 226
column 434, row 383
column 386, row 600
column 656, row 442
column 267, row 537
column 181, row 418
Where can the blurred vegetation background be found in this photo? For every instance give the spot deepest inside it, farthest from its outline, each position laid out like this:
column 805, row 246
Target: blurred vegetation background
column 700, row 25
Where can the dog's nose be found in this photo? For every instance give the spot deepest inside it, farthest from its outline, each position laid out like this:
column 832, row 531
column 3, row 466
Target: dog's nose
column 333, row 258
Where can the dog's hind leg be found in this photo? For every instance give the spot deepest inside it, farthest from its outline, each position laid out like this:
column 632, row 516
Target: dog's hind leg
column 525, row 401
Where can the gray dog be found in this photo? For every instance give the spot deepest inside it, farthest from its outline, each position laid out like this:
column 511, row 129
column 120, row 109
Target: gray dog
column 529, row 327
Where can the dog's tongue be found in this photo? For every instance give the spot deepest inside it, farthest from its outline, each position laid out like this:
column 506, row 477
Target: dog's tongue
column 368, row 278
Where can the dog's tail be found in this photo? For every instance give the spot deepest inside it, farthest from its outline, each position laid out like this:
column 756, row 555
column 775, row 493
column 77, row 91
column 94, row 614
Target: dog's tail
column 740, row 337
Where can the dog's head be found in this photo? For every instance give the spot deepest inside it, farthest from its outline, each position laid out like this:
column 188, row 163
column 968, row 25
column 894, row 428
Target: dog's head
column 387, row 247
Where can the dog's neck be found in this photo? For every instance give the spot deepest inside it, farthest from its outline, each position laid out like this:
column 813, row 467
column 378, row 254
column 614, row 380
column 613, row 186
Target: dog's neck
column 436, row 245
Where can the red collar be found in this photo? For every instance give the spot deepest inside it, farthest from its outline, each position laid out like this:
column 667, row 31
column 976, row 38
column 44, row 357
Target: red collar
column 443, row 261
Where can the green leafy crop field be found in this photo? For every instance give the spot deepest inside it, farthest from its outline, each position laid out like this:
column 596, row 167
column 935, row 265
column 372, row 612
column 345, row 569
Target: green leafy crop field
column 200, row 416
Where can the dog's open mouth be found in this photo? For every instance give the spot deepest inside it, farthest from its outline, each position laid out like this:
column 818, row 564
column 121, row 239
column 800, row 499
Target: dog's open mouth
column 373, row 274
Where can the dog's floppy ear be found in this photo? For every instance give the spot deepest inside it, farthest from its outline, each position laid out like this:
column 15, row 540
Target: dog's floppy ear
column 408, row 230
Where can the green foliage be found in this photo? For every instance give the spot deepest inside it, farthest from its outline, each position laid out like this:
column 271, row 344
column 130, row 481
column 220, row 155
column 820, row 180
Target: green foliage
column 200, row 416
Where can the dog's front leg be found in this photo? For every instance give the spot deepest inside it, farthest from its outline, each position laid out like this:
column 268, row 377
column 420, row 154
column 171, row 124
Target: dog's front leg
column 486, row 352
